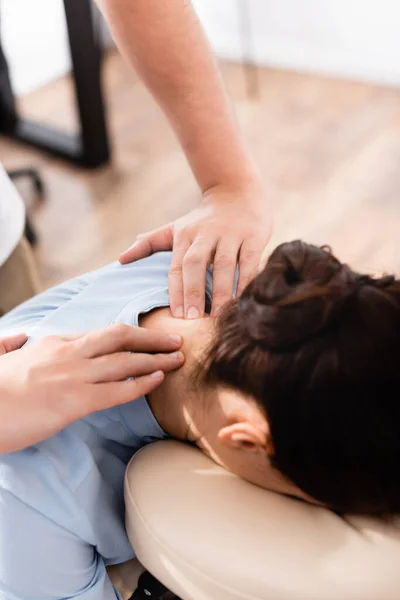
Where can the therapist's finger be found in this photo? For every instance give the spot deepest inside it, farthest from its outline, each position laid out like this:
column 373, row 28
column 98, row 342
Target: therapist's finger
column 224, row 268
column 175, row 275
column 13, row 342
column 121, row 365
column 107, row 395
column 195, row 263
column 249, row 262
column 120, row 337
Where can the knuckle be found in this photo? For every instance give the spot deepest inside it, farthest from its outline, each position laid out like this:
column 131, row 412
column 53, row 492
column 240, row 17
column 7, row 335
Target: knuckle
column 193, row 293
column 122, row 358
column 180, row 243
column 223, row 262
column 182, row 231
column 194, row 259
column 221, row 296
column 56, row 346
column 119, row 329
column 250, row 255
column 175, row 270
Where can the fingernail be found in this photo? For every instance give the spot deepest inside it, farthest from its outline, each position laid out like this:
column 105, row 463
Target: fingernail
column 158, row 375
column 178, row 312
column 192, row 313
column 176, row 339
column 178, row 356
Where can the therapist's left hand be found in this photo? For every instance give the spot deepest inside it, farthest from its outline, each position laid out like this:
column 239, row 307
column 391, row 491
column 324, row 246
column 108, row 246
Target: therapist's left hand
column 229, row 228
column 55, row 381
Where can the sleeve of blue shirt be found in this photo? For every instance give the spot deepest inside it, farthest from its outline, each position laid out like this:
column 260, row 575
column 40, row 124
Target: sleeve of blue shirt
column 40, row 560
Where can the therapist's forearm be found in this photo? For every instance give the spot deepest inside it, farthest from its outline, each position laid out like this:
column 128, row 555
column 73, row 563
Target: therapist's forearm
column 164, row 41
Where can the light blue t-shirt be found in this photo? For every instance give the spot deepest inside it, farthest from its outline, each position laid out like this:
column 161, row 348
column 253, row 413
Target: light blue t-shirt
column 61, row 501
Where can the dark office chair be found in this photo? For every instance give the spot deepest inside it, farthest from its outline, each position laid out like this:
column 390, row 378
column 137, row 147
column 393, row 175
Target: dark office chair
column 38, row 185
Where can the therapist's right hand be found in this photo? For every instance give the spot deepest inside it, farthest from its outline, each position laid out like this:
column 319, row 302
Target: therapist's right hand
column 54, row 381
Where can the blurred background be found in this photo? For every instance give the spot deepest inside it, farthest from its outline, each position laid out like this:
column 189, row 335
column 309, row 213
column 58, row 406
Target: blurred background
column 316, row 88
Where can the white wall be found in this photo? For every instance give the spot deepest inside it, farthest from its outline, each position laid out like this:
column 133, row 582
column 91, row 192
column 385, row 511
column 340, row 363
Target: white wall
column 359, row 39
column 35, row 41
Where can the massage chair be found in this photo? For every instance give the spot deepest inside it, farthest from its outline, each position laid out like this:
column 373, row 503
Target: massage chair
column 201, row 533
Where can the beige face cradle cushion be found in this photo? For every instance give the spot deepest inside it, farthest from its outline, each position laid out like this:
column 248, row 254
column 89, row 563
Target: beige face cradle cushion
column 208, row 535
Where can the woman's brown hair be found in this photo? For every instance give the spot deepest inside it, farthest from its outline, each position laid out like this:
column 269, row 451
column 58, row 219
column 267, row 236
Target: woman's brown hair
column 318, row 346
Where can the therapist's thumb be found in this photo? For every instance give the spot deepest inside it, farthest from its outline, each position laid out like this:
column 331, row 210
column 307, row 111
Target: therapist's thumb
column 10, row 343
column 148, row 243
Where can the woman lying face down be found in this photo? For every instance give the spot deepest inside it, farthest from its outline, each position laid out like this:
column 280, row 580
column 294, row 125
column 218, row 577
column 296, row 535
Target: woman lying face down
column 295, row 387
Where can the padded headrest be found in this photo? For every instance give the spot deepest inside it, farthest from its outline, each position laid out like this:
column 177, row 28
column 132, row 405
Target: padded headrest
column 208, row 535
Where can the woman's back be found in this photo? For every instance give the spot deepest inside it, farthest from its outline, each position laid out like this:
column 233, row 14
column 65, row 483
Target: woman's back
column 68, row 490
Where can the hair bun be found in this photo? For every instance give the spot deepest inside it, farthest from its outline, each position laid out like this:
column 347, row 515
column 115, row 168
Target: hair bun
column 298, row 293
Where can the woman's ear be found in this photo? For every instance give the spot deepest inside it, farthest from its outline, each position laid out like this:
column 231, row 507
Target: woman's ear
column 245, row 436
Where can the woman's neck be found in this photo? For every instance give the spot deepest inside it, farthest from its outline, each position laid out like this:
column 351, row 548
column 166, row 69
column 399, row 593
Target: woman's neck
column 174, row 402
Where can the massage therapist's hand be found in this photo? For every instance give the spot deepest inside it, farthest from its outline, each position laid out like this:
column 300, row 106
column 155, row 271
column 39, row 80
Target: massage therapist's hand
column 169, row 50
column 54, row 381
column 228, row 228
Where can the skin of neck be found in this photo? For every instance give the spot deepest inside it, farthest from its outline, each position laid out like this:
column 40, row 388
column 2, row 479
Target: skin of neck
column 175, row 404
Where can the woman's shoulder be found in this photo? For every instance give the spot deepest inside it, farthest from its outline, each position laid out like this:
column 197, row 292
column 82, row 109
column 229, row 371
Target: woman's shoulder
column 114, row 293
column 90, row 301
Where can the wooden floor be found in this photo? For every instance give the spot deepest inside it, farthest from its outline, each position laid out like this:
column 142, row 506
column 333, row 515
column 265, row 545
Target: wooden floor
column 329, row 152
